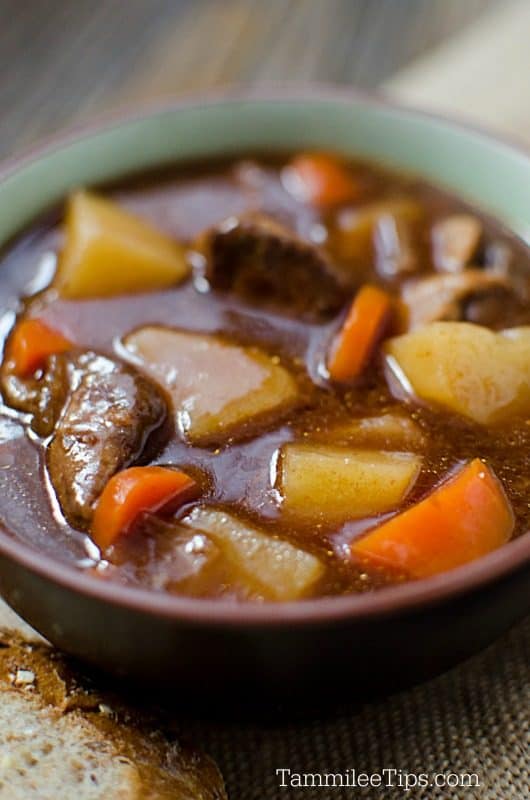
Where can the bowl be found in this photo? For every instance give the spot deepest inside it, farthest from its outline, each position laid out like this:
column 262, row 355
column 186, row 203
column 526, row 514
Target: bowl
column 348, row 647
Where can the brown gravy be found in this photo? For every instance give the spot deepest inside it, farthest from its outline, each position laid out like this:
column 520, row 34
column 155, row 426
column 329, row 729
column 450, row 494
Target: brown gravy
column 182, row 202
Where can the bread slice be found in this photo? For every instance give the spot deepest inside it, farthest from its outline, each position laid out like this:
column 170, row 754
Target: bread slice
column 60, row 740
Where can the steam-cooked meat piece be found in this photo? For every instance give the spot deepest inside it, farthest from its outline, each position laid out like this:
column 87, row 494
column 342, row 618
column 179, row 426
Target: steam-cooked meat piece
column 455, row 241
column 19, row 393
column 264, row 262
column 471, row 295
column 52, row 393
column 43, row 397
column 112, row 416
column 101, row 414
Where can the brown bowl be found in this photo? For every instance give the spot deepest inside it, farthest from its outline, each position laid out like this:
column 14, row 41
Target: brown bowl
column 343, row 646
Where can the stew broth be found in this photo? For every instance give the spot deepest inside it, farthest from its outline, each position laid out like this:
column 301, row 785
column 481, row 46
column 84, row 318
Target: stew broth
column 239, row 474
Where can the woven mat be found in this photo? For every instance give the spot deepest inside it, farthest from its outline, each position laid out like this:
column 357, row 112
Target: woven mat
column 473, row 720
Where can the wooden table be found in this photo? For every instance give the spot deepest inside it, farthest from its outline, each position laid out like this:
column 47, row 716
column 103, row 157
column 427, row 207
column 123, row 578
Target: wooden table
column 64, row 60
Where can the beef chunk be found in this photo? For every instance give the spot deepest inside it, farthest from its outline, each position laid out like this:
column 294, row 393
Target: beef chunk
column 19, row 393
column 42, row 397
column 52, row 392
column 102, row 415
column 113, row 417
column 470, row 295
column 267, row 264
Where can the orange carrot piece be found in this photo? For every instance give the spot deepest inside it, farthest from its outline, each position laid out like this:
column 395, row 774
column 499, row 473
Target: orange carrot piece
column 30, row 344
column 466, row 517
column 321, row 180
column 360, row 334
column 134, row 491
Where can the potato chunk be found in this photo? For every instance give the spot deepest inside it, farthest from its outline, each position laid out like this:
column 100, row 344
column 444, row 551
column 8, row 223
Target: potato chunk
column 216, row 387
column 382, row 231
column 266, row 567
column 391, row 431
column 466, row 368
column 108, row 251
column 335, row 484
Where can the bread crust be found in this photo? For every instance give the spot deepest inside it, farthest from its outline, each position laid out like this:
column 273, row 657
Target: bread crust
column 155, row 764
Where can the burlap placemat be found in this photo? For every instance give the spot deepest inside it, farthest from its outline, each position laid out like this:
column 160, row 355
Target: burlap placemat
column 474, row 720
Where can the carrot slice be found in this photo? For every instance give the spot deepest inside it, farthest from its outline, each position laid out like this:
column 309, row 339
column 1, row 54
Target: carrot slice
column 30, row 344
column 134, row 491
column 320, row 180
column 358, row 337
column 466, row 517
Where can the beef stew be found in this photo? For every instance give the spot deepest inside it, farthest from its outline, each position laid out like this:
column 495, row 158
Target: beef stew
column 266, row 379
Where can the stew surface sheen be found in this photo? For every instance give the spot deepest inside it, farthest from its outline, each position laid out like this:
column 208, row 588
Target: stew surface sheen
column 389, row 233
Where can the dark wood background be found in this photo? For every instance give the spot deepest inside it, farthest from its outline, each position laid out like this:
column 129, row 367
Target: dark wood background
column 64, row 60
